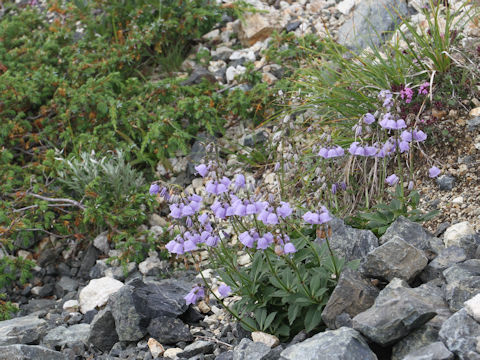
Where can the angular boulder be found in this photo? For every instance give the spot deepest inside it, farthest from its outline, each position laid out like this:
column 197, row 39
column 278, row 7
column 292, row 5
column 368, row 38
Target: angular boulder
column 460, row 334
column 447, row 257
column 350, row 243
column 71, row 336
column 397, row 311
column 249, row 350
column 352, row 295
column 463, row 282
column 136, row 304
column 168, row 330
column 22, row 330
column 394, row 259
column 344, row 343
column 29, row 352
column 419, row 338
column 102, row 330
column 434, row 351
column 414, row 234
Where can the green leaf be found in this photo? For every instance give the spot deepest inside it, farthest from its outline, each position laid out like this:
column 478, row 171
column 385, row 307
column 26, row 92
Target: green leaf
column 313, row 318
column 269, row 320
column 293, row 311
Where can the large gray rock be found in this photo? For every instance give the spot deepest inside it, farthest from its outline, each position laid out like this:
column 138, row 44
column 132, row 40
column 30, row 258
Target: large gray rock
column 88, row 261
column 249, row 350
column 22, row 330
column 370, row 22
column 350, row 243
column 423, row 336
column 29, row 352
column 460, row 334
column 102, row 330
column 65, row 285
column 447, row 257
column 168, row 330
column 415, row 235
column 342, row 344
column 71, row 336
column 137, row 303
column 434, row 293
column 352, row 295
column 397, row 311
column 463, row 282
column 434, row 351
column 394, row 259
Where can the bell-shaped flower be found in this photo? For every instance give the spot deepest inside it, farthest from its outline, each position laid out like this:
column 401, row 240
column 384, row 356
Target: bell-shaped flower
column 392, row 180
column 289, row 248
column 246, row 239
column 202, row 170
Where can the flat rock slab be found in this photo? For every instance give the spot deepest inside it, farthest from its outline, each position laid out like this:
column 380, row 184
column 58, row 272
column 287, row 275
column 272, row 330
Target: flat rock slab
column 352, row 295
column 29, row 352
column 196, row 348
column 397, row 311
column 394, row 259
column 414, row 234
column 22, row 330
column 70, row 336
column 460, row 334
column 350, row 243
column 342, row 344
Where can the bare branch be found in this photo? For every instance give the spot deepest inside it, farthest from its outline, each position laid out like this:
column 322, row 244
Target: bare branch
column 69, row 201
column 36, row 206
column 45, row 231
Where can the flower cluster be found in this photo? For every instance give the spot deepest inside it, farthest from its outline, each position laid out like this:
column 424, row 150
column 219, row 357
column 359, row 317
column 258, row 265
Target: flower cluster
column 399, row 140
column 202, row 222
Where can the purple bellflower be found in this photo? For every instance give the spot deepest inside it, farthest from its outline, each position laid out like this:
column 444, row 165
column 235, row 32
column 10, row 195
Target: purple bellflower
column 433, row 172
column 392, row 180
column 194, row 295
column 202, row 170
column 224, row 290
column 368, row 119
column 154, row 189
column 289, row 248
column 328, row 153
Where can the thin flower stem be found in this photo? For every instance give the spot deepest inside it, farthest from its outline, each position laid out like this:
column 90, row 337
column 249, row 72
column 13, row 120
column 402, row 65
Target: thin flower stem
column 225, row 306
column 302, row 282
column 272, row 270
column 332, row 256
